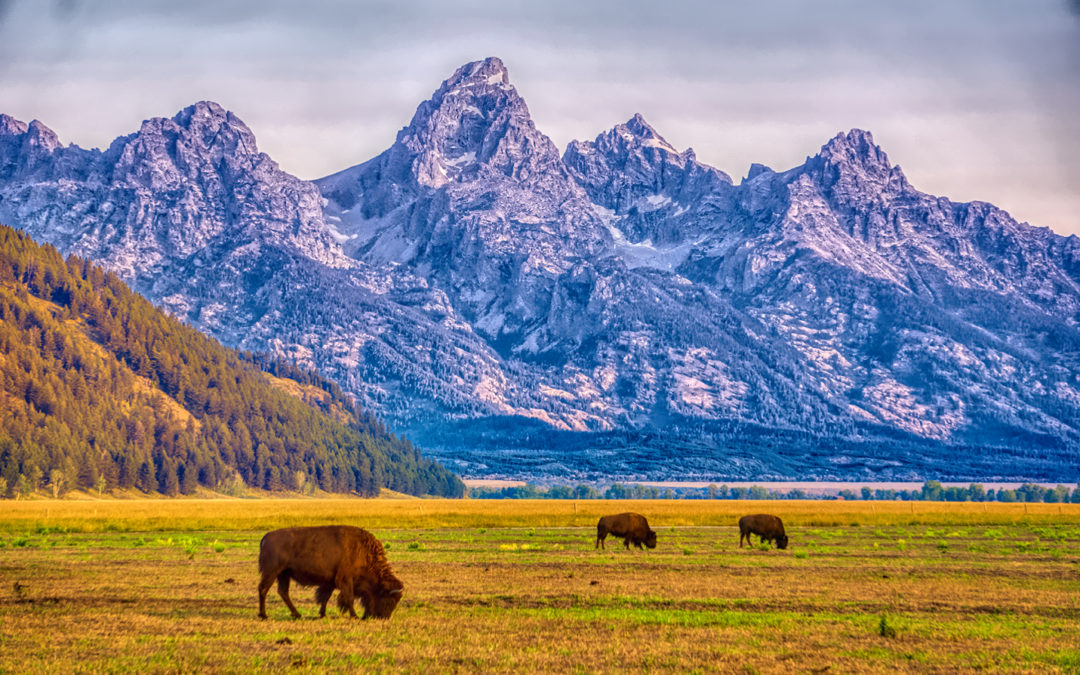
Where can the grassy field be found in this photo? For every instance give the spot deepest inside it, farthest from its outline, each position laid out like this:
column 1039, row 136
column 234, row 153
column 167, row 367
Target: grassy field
column 508, row 586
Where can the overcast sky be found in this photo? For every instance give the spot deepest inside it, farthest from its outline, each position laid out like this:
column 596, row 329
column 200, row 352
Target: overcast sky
column 975, row 99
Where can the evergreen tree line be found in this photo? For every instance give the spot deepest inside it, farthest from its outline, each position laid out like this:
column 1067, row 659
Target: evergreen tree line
column 101, row 390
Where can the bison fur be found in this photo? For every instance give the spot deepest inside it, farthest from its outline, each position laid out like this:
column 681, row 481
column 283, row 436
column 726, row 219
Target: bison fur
column 632, row 528
column 347, row 559
column 769, row 528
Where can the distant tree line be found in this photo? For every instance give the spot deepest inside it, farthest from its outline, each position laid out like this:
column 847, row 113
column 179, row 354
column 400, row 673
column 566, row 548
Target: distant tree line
column 934, row 491
column 931, row 491
column 101, row 390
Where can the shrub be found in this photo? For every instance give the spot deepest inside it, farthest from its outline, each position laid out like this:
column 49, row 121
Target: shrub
column 885, row 629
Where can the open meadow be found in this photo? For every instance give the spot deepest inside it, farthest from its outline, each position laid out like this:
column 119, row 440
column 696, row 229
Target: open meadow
column 515, row 586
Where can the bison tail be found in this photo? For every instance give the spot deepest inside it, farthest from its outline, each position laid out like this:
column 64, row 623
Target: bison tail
column 266, row 557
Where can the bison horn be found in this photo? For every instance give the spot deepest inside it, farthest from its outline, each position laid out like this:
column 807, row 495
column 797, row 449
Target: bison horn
column 395, row 591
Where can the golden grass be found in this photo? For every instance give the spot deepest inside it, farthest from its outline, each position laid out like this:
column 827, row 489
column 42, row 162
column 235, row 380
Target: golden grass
column 508, row 586
column 239, row 514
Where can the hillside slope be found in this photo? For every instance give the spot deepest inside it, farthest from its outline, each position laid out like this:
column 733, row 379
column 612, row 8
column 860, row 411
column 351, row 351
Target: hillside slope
column 101, row 390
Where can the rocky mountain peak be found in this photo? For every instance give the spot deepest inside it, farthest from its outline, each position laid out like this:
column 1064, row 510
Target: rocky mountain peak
column 631, row 167
column 633, row 136
column 855, row 147
column 210, row 121
column 756, row 170
column 854, row 168
column 474, row 129
column 9, row 126
column 488, row 72
column 474, row 124
column 41, row 137
column 25, row 148
column 201, row 142
column 201, row 110
column 640, row 129
column 191, row 184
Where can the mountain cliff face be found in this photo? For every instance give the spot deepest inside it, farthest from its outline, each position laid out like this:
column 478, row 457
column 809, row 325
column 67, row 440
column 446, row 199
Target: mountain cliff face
column 621, row 309
column 190, row 214
column 472, row 198
column 657, row 192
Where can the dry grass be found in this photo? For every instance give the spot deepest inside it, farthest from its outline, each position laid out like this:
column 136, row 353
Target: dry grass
column 241, row 514
column 516, row 586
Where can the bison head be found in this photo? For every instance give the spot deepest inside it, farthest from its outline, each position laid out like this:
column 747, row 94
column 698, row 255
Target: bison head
column 385, row 597
column 650, row 539
column 781, row 541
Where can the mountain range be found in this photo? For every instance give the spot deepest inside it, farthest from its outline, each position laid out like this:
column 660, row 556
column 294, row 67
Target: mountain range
column 616, row 309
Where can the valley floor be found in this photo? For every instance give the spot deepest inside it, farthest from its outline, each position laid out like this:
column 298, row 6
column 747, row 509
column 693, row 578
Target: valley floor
column 516, row 586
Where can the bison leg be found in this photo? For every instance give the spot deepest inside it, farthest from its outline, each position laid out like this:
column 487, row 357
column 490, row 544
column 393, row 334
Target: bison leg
column 322, row 596
column 346, row 605
column 345, row 595
column 265, row 583
column 363, row 591
column 368, row 601
column 601, row 535
column 283, row 590
column 626, row 543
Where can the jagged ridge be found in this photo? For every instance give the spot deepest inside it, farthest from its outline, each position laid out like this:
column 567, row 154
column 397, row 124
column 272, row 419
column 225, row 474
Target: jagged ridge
column 469, row 273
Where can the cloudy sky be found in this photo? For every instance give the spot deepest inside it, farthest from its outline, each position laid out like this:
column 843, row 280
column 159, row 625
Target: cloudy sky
column 975, row 99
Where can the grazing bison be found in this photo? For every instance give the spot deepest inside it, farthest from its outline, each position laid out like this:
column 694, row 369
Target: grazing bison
column 769, row 528
column 632, row 528
column 332, row 557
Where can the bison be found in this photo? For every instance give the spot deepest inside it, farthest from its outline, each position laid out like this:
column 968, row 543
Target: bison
column 632, row 528
column 331, row 557
column 769, row 528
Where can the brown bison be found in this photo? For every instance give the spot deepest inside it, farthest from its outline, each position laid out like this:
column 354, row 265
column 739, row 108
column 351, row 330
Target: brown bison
column 769, row 528
column 632, row 528
column 331, row 557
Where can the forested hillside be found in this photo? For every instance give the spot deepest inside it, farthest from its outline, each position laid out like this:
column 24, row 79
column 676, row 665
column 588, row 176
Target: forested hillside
column 100, row 390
